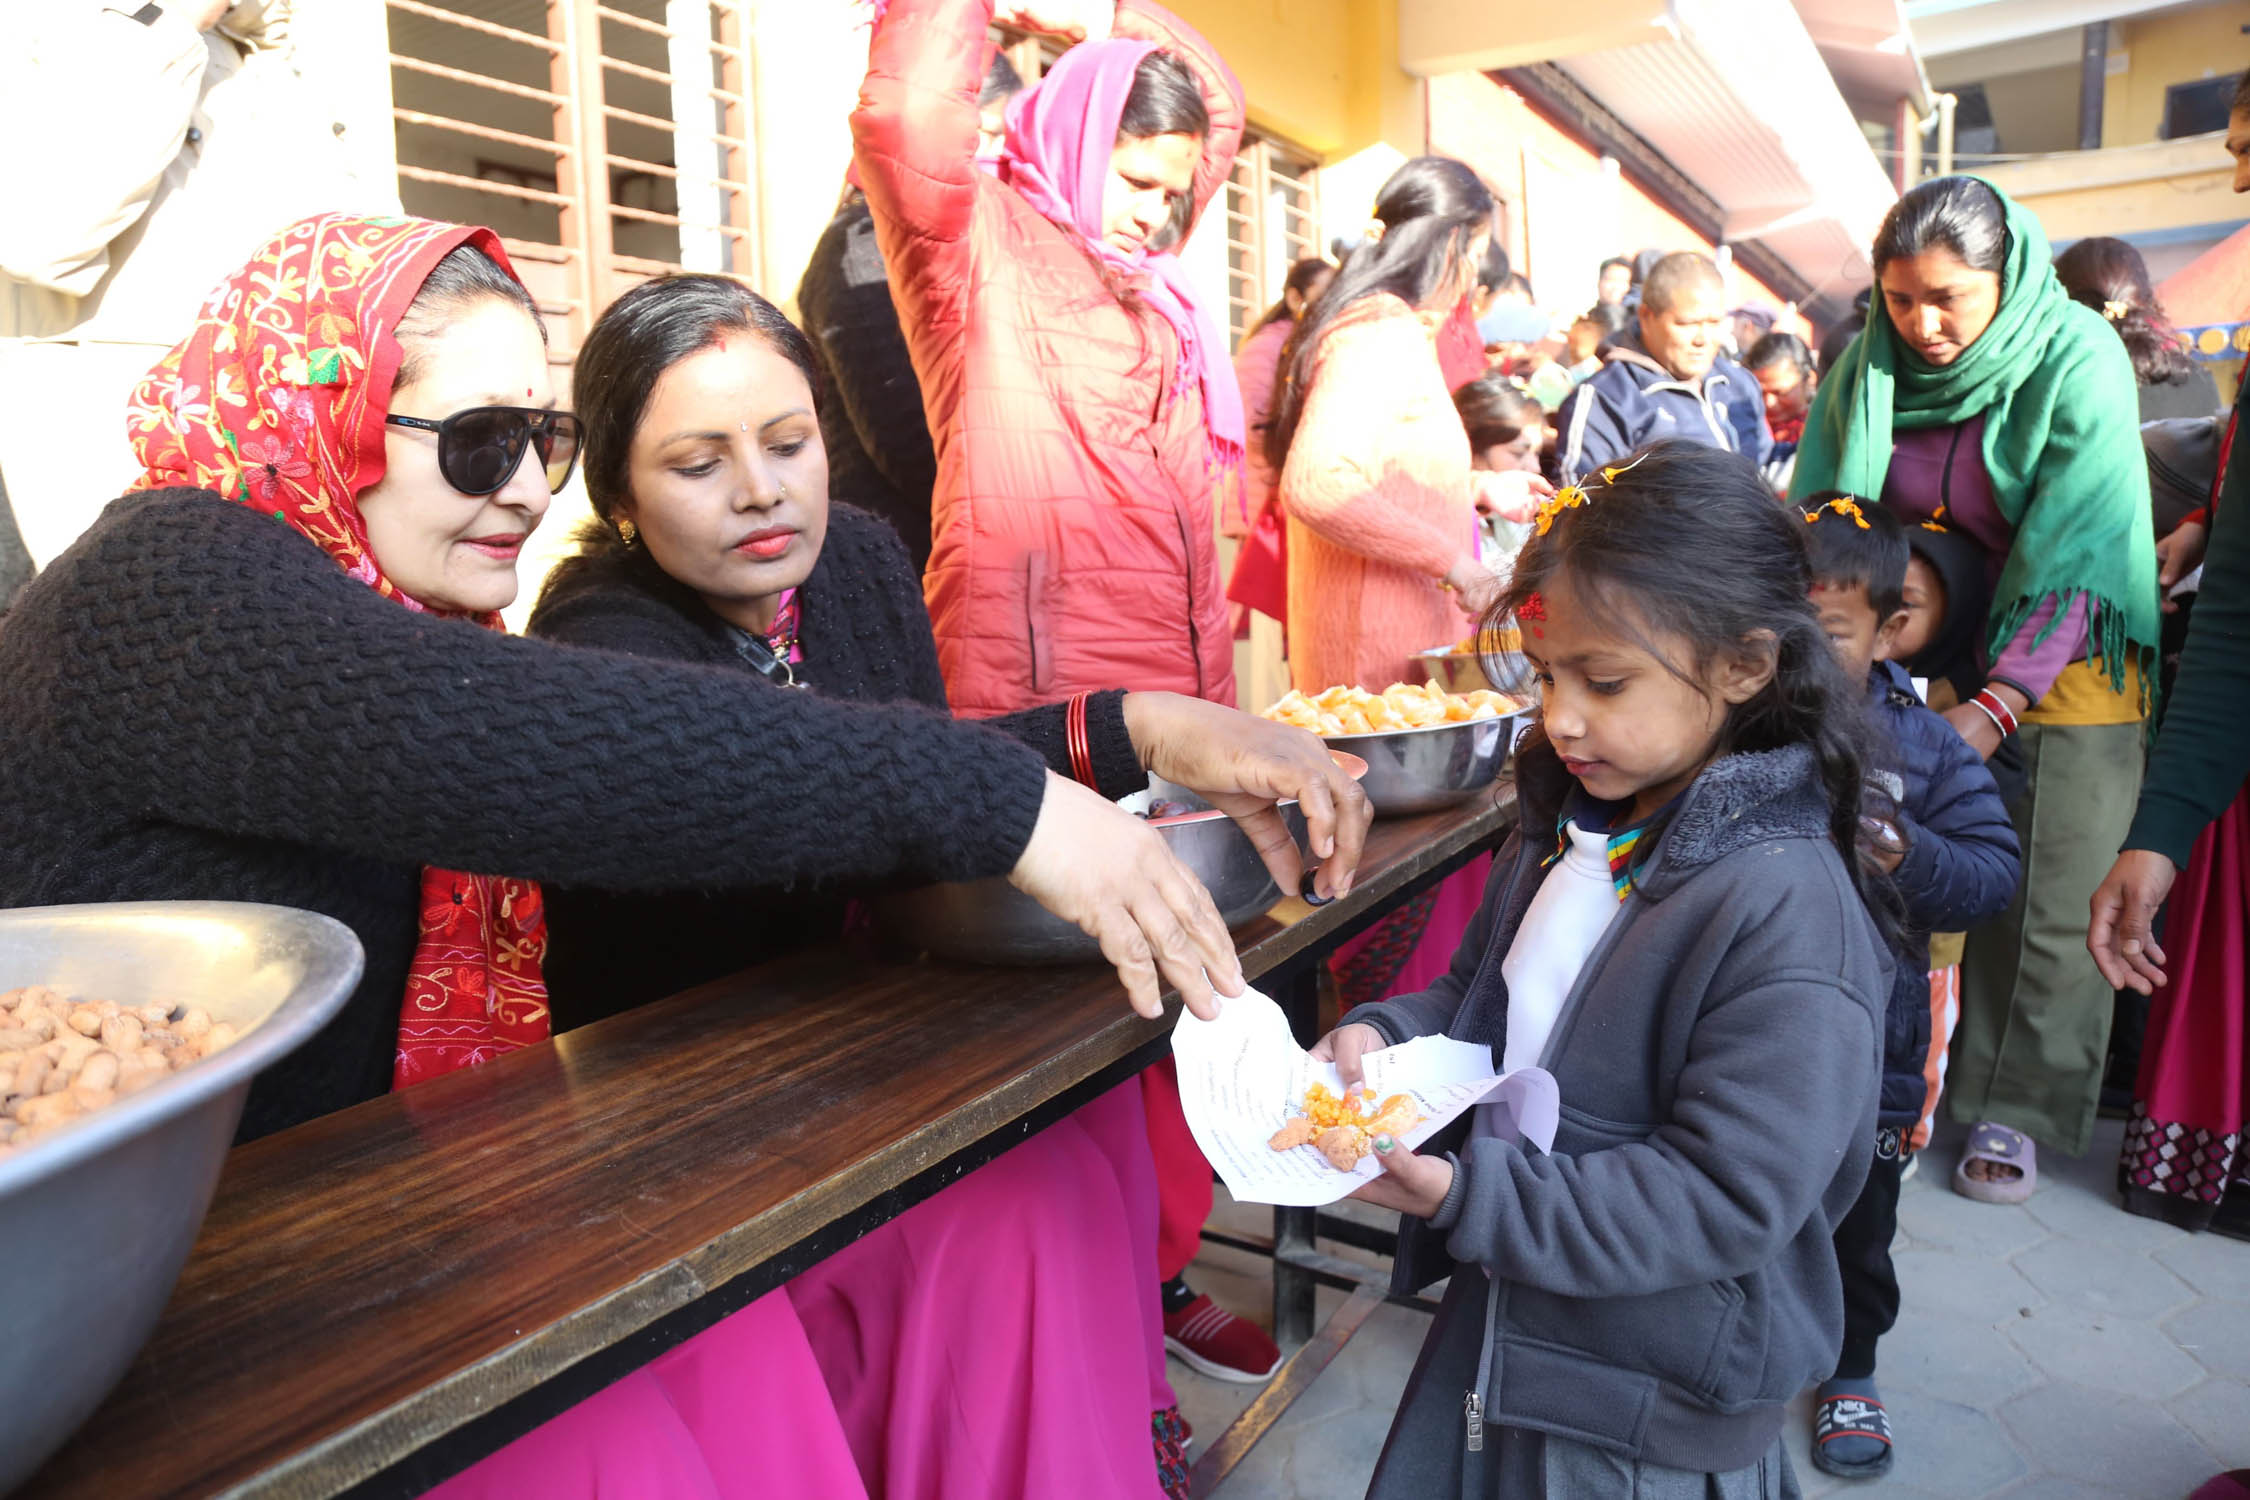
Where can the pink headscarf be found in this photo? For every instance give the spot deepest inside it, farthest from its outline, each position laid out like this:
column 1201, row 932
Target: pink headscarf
column 1061, row 131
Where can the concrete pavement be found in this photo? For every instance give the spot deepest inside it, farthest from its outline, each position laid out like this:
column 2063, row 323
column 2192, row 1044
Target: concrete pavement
column 2061, row 1350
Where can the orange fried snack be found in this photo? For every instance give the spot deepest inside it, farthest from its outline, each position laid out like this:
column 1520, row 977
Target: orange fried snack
column 1402, row 705
column 1344, row 1129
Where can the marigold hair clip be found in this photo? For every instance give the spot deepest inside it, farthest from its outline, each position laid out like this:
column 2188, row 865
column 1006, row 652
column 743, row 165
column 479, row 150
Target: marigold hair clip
column 2116, row 312
column 1571, row 496
column 1841, row 508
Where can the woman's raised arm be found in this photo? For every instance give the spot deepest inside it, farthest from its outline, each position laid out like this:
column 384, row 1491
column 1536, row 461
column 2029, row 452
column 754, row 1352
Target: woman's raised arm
column 914, row 142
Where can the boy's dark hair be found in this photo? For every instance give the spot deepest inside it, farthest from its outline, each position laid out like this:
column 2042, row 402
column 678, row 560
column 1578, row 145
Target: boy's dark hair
column 1861, row 546
column 1687, row 542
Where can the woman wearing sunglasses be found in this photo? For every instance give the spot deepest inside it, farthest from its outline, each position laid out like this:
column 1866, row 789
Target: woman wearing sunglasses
column 275, row 674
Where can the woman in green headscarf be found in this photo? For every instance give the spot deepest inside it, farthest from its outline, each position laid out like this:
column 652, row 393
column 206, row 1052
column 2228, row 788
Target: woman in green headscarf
column 1982, row 400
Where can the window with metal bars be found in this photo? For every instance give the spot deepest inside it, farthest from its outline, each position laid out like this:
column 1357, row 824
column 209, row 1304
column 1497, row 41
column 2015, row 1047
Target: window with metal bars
column 1273, row 221
column 605, row 141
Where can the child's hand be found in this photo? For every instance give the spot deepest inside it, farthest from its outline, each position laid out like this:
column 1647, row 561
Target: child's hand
column 1411, row 1183
column 1343, row 1047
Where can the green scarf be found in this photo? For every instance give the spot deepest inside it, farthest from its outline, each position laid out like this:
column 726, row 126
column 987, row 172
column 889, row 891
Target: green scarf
column 2062, row 447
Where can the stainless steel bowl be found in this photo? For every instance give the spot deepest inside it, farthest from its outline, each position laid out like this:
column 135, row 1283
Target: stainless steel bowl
column 991, row 922
column 118, row 1197
column 1422, row 770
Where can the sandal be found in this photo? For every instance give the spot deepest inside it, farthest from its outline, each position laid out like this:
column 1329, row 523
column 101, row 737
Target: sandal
column 1845, row 1415
column 1997, row 1146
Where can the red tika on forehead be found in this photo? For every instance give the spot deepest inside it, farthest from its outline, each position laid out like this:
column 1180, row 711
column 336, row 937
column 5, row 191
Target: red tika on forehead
column 1532, row 608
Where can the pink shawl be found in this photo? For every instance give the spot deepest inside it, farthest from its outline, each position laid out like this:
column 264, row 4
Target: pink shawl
column 1060, row 135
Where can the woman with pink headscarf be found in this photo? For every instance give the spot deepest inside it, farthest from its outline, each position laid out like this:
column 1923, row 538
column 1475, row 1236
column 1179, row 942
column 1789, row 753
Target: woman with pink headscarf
column 1082, row 404
column 1083, row 408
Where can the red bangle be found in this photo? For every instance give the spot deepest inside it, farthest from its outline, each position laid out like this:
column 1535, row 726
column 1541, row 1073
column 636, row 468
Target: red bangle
column 1078, row 741
column 1996, row 706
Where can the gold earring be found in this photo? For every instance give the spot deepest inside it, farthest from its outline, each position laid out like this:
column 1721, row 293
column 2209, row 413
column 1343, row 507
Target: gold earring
column 626, row 530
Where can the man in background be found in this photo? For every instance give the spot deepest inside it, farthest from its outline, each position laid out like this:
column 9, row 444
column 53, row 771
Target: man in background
column 1661, row 378
column 177, row 137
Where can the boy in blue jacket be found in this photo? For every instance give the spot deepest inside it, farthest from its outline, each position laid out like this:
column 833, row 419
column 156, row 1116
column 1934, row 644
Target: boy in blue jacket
column 1953, row 857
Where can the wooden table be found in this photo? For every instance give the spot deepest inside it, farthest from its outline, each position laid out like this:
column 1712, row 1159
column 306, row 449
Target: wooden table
column 383, row 1296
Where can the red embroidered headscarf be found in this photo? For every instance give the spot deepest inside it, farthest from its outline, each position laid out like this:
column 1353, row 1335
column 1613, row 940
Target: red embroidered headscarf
column 276, row 399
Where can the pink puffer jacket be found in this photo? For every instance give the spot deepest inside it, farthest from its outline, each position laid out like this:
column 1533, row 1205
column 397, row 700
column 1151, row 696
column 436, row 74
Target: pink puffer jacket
column 1072, row 524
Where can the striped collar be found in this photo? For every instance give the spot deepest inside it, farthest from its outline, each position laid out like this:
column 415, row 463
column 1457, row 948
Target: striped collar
column 1620, row 846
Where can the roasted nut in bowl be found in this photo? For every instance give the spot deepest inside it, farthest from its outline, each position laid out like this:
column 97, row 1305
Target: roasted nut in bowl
column 1422, row 770
column 118, row 1195
column 991, row 922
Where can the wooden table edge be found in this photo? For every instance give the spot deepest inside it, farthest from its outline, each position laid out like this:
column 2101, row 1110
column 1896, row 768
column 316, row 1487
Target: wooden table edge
column 419, row 1439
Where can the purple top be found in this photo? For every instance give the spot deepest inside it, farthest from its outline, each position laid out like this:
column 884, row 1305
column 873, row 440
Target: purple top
column 1942, row 468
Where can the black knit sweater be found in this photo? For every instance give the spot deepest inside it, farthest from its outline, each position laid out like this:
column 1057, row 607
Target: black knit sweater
column 871, row 416
column 866, row 636
column 196, row 703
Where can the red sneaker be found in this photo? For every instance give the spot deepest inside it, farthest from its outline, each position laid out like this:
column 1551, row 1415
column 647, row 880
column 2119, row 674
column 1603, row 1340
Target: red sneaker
column 1221, row 1345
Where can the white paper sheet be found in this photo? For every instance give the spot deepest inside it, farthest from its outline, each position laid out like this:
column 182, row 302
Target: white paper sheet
column 1243, row 1075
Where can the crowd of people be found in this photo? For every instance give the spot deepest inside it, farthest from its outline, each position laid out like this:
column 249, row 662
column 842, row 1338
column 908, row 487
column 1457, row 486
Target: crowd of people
column 1846, row 653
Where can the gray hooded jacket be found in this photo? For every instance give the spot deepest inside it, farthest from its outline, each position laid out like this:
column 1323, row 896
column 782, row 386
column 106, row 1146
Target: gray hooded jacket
column 1663, row 1282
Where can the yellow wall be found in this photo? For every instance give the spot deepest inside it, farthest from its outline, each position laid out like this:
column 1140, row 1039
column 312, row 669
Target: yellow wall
column 1321, row 73
column 2160, row 50
column 2124, row 191
column 1293, row 57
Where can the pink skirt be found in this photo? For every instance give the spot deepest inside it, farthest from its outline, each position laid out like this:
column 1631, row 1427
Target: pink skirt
column 1001, row 1338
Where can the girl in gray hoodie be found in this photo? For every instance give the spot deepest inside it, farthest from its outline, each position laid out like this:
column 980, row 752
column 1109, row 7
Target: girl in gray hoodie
column 1684, row 932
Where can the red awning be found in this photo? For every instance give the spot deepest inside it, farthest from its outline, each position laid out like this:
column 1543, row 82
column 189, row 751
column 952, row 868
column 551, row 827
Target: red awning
column 2209, row 297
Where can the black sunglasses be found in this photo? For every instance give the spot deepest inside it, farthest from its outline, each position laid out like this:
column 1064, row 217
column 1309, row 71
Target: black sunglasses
column 479, row 449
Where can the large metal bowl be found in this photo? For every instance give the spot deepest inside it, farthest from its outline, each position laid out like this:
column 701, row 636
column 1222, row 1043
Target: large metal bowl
column 1422, row 770
column 117, row 1198
column 991, row 922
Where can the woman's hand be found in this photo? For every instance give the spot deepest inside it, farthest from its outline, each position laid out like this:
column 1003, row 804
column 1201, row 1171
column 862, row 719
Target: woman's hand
column 1243, row 765
column 1080, row 20
column 1344, row 1047
column 1477, row 586
column 1411, row 1183
column 1094, row 864
column 2123, row 912
column 2178, row 555
column 1511, row 494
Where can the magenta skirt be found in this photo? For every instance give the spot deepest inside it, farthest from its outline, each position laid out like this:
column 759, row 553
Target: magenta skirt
column 1000, row 1338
